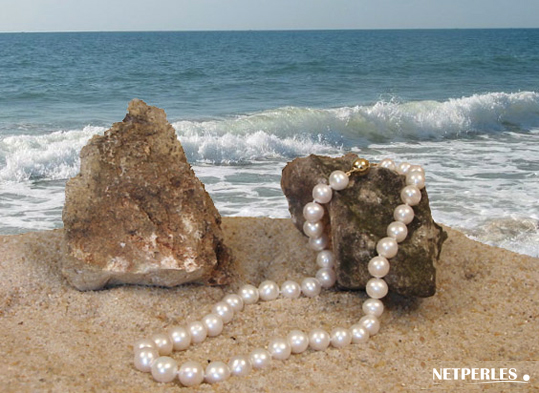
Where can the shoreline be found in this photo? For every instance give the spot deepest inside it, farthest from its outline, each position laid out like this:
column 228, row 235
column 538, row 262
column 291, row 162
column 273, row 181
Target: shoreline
column 59, row 339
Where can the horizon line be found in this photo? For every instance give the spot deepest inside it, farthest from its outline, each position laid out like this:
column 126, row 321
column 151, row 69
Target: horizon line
column 263, row 30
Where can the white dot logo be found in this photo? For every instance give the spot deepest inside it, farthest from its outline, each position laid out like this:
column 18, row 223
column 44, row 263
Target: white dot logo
column 526, row 377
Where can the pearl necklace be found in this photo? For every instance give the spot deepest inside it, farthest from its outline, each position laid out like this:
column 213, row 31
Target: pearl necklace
column 151, row 355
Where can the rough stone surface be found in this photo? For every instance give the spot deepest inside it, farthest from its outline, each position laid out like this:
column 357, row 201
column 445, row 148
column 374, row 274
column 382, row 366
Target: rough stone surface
column 358, row 218
column 136, row 213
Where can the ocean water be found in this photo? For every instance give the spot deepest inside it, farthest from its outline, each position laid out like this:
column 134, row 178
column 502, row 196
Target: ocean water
column 463, row 103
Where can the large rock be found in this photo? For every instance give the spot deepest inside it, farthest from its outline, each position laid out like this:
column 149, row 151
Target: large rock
column 136, row 213
column 358, row 218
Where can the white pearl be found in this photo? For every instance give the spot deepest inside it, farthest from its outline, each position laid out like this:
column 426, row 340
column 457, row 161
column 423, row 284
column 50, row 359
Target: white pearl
column 313, row 212
column 319, row 243
column 340, row 337
column 326, row 277
column 313, row 229
column 143, row 343
column 373, row 307
column 144, row 357
column 291, row 289
column 191, row 373
column 370, row 323
column 214, row 324
column 299, row 341
column 279, row 349
column 322, row 193
column 311, row 287
column 416, row 168
column 378, row 267
column 198, row 331
column 224, row 311
column 397, row 230
column 163, row 343
column 217, row 372
column 234, row 301
column 376, row 288
column 164, row 369
column 387, row 247
column 411, row 195
column 359, row 334
column 325, row 258
column 403, row 168
column 338, row 180
column 240, row 366
column 388, row 163
column 181, row 338
column 268, row 290
column 249, row 294
column 260, row 358
column 415, row 179
column 404, row 214
column 319, row 339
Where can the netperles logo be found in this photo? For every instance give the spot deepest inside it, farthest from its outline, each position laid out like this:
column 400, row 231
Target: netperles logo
column 479, row 375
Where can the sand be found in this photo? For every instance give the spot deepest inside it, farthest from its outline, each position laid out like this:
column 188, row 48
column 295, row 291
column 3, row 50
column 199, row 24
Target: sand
column 57, row 339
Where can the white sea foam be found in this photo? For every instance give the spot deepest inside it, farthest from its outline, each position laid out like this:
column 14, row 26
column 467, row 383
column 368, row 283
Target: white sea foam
column 519, row 234
column 486, row 187
column 49, row 156
column 289, row 132
column 256, row 146
column 431, row 120
column 481, row 154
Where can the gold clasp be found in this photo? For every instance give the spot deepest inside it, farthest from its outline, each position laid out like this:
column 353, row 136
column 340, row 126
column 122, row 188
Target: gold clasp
column 361, row 166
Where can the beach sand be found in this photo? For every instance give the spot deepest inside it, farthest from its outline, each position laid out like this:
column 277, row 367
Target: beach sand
column 55, row 338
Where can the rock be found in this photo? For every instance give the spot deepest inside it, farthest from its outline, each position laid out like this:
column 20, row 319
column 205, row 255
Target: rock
column 359, row 216
column 137, row 214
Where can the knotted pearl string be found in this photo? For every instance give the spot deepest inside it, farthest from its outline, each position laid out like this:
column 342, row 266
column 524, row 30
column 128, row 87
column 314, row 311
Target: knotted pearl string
column 151, row 354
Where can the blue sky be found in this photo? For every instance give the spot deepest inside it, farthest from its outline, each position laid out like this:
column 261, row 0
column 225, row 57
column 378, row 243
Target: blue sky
column 109, row 15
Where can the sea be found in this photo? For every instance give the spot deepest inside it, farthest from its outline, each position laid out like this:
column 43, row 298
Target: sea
column 462, row 103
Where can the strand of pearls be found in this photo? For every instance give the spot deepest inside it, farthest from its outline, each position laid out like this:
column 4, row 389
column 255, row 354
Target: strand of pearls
column 152, row 354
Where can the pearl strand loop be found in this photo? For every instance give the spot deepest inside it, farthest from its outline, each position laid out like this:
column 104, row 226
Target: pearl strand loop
column 152, row 355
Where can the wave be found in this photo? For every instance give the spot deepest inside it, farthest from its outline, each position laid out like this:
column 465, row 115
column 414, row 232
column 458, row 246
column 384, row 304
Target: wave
column 394, row 120
column 257, row 146
column 431, row 120
column 292, row 131
column 288, row 132
column 50, row 156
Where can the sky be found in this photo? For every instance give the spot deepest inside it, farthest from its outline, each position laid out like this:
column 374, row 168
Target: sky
column 142, row 15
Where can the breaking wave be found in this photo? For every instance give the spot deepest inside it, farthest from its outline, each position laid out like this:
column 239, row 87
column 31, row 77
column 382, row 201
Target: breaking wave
column 289, row 132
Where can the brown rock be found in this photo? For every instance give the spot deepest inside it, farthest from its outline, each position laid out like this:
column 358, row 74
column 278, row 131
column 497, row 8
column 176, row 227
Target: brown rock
column 136, row 213
column 359, row 216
